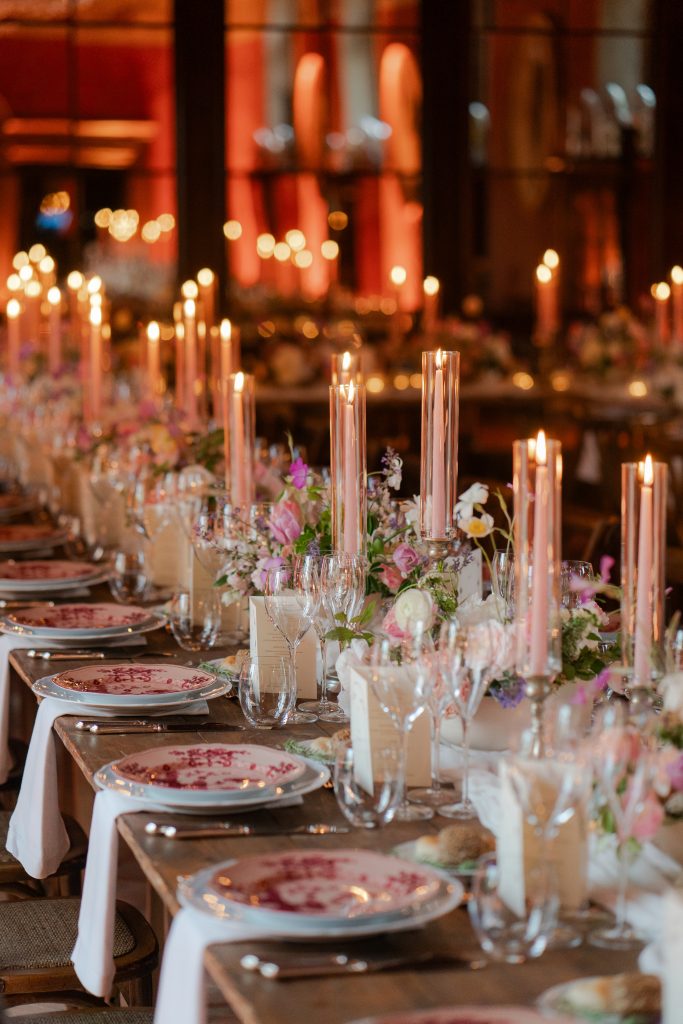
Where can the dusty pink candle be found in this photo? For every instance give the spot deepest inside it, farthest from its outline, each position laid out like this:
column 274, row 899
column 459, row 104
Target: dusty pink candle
column 189, row 311
column 662, row 293
column 239, row 494
column 153, row 361
column 96, row 363
column 13, row 338
column 677, row 302
column 350, row 475
column 644, row 611
column 438, row 455
column 54, row 340
column 539, row 578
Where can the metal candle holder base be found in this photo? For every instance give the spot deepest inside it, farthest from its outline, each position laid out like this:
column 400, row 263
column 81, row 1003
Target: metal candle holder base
column 538, row 689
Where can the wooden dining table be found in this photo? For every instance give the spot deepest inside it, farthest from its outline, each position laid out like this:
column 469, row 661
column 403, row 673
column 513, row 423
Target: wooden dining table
column 251, row 998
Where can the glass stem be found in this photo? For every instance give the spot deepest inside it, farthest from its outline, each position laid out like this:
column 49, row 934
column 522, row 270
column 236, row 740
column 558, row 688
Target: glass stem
column 436, row 753
column 622, row 903
column 465, row 797
column 404, row 763
column 323, row 680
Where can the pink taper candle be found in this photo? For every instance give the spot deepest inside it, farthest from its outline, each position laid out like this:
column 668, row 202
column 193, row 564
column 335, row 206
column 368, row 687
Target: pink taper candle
column 350, row 471
column 239, row 494
column 438, row 455
column 222, row 388
column 189, row 312
column 180, row 366
column 662, row 294
column 677, row 302
column 13, row 338
column 96, row 363
column 539, row 577
column 54, row 342
column 643, row 623
column 153, row 361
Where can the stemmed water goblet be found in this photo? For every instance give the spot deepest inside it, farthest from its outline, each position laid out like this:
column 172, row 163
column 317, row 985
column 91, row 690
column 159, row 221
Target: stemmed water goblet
column 402, row 690
column 467, row 675
column 625, row 768
column 323, row 622
column 292, row 599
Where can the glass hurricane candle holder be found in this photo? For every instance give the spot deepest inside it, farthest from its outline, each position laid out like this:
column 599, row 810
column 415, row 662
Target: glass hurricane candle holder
column 439, row 454
column 643, row 556
column 348, row 468
column 537, row 488
column 240, row 439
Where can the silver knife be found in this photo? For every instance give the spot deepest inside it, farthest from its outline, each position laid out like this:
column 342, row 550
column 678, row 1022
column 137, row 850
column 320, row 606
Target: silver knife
column 228, row 830
column 107, row 728
column 342, row 964
column 116, row 655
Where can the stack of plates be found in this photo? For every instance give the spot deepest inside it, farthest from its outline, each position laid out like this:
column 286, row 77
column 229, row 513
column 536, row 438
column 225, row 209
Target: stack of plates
column 30, row 537
column 40, row 577
column 201, row 777
column 80, row 623
column 15, row 505
column 131, row 689
column 324, row 893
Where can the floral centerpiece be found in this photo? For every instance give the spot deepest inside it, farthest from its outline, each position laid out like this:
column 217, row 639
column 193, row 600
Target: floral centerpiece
column 616, row 343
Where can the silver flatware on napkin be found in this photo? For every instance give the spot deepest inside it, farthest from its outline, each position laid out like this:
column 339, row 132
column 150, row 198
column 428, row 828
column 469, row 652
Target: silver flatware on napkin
column 110, row 727
column 228, row 829
column 322, row 965
column 116, row 655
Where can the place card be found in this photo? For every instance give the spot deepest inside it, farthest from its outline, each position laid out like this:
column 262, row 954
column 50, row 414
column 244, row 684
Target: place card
column 170, row 548
column 373, row 729
column 519, row 849
column 265, row 641
column 470, row 578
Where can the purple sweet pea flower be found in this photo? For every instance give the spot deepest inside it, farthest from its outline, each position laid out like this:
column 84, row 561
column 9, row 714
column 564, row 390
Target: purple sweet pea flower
column 675, row 773
column 406, row 558
column 299, row 473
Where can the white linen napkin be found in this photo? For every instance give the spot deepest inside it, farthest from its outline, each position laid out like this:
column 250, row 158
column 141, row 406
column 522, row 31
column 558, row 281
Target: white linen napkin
column 181, row 998
column 36, row 836
column 93, row 953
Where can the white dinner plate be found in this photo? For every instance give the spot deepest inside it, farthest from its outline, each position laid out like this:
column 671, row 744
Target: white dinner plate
column 200, row 801
column 196, row 891
column 46, row 687
column 114, row 684
column 80, row 621
column 41, row 575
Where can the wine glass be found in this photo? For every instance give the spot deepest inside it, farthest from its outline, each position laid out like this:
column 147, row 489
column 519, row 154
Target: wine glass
column 503, row 579
column 323, row 622
column 195, row 618
column 291, row 602
column 402, row 691
column 625, row 768
column 467, row 677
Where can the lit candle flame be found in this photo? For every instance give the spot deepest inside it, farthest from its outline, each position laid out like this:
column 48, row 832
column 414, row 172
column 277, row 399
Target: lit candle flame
column 648, row 472
column 541, row 453
column 153, row 331
column 54, row 296
column 662, row 291
column 13, row 309
column 96, row 316
column 431, row 285
column 551, row 259
column 189, row 290
column 205, row 277
column 226, row 330
column 398, row 276
column 189, row 309
column 239, row 381
column 544, row 274
column 677, row 274
column 75, row 280
column 350, row 393
column 346, row 361
column 438, row 358
column 94, row 284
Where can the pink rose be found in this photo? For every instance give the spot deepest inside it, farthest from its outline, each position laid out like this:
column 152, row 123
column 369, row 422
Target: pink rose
column 391, row 577
column 406, row 558
column 286, row 522
column 647, row 823
column 391, row 627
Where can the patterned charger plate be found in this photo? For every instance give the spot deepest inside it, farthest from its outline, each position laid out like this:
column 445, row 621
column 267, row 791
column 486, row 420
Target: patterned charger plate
column 112, row 684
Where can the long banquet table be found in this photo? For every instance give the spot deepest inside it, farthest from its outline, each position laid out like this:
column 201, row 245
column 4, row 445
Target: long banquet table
column 252, row 999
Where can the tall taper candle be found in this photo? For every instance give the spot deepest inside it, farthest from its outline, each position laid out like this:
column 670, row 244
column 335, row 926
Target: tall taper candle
column 351, row 482
column 189, row 312
column 153, row 361
column 643, row 622
column 96, row 363
column 539, row 571
column 54, row 342
column 13, row 339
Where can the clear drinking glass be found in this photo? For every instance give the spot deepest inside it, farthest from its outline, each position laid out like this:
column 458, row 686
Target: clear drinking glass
column 503, row 579
column 129, row 576
column 509, row 931
column 403, row 692
column 267, row 691
column 467, row 680
column 372, row 802
column 325, row 709
column 420, row 647
column 195, row 618
column 572, row 574
column 291, row 601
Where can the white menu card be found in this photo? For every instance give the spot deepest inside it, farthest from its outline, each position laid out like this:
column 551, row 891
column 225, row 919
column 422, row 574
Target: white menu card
column 265, row 641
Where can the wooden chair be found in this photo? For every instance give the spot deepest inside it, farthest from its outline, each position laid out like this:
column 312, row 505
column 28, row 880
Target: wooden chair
column 37, row 938
column 66, row 880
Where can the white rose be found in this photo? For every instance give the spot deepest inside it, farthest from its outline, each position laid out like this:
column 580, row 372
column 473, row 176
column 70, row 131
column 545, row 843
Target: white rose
column 413, row 606
column 473, row 611
column 490, row 646
column 672, row 689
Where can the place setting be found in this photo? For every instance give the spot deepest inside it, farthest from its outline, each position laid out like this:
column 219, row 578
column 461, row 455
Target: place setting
column 27, row 537
column 31, row 578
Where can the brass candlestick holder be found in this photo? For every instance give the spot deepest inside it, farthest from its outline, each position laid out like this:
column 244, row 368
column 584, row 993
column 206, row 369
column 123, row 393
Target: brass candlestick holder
column 538, row 689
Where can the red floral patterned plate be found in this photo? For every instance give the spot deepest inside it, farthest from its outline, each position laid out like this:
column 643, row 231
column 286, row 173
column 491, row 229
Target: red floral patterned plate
column 79, row 620
column 43, row 574
column 234, row 768
column 15, row 505
column 469, row 1015
column 111, row 684
column 27, row 536
column 331, row 885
